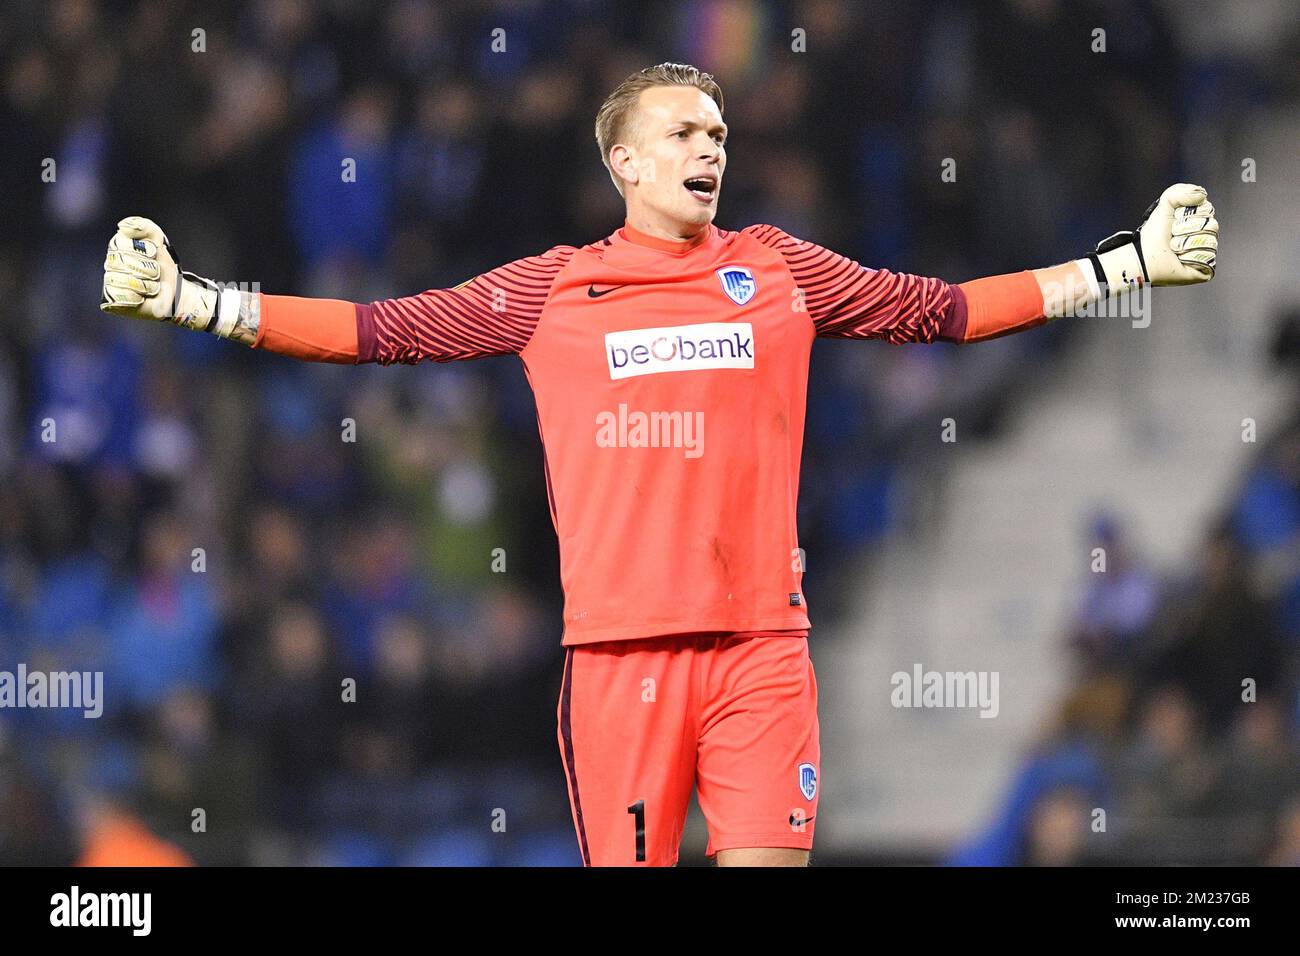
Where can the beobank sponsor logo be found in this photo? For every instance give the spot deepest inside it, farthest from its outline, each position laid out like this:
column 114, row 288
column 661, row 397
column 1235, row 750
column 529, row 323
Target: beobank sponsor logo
column 680, row 348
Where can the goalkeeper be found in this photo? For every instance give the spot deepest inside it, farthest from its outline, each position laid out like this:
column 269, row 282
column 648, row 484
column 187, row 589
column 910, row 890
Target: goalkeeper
column 685, row 622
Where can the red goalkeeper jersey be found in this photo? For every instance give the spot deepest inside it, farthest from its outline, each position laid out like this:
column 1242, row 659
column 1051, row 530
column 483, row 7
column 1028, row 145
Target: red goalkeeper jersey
column 671, row 382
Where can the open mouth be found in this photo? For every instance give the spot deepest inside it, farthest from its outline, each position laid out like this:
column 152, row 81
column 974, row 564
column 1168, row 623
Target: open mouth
column 703, row 188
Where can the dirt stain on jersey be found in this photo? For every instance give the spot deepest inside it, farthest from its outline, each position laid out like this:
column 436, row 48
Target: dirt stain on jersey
column 719, row 557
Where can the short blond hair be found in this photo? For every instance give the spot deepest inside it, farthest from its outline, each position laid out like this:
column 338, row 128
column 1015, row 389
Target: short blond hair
column 612, row 119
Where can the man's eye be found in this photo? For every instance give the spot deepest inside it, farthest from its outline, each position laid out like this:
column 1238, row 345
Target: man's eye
column 680, row 132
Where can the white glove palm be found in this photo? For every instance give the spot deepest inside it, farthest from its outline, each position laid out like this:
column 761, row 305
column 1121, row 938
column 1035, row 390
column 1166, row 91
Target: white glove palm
column 1176, row 244
column 142, row 279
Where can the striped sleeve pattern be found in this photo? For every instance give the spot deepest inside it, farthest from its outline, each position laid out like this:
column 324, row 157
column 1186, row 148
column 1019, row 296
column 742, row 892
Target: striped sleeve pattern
column 848, row 301
column 494, row 313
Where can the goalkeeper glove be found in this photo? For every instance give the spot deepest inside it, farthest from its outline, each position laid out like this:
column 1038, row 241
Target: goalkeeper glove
column 1175, row 244
column 143, row 279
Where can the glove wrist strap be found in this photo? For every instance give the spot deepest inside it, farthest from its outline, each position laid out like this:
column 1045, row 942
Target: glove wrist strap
column 196, row 303
column 1119, row 269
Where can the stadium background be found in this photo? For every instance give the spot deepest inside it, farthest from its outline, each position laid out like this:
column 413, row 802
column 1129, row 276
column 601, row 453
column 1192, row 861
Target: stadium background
column 371, row 560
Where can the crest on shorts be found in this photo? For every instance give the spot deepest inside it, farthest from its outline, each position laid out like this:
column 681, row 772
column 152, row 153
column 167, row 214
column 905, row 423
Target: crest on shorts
column 807, row 780
column 738, row 283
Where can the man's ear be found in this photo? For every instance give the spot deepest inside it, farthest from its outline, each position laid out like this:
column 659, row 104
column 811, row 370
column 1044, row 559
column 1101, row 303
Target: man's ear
column 624, row 165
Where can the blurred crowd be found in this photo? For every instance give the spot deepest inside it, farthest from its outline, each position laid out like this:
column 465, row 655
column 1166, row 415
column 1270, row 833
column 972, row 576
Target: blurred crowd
column 203, row 529
column 1183, row 722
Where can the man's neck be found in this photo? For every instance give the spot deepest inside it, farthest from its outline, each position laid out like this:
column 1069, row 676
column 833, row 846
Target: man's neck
column 685, row 234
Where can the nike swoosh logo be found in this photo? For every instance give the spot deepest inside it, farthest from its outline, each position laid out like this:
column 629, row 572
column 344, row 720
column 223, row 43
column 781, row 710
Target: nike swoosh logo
column 591, row 291
column 794, row 822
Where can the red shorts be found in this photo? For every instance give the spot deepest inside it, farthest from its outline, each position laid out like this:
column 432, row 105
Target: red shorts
column 641, row 721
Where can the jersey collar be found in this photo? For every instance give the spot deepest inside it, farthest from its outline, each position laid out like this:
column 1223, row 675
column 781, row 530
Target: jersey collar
column 678, row 247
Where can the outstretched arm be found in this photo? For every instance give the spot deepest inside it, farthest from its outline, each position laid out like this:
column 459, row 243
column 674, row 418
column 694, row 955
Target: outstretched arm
column 494, row 313
column 143, row 279
column 1176, row 244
